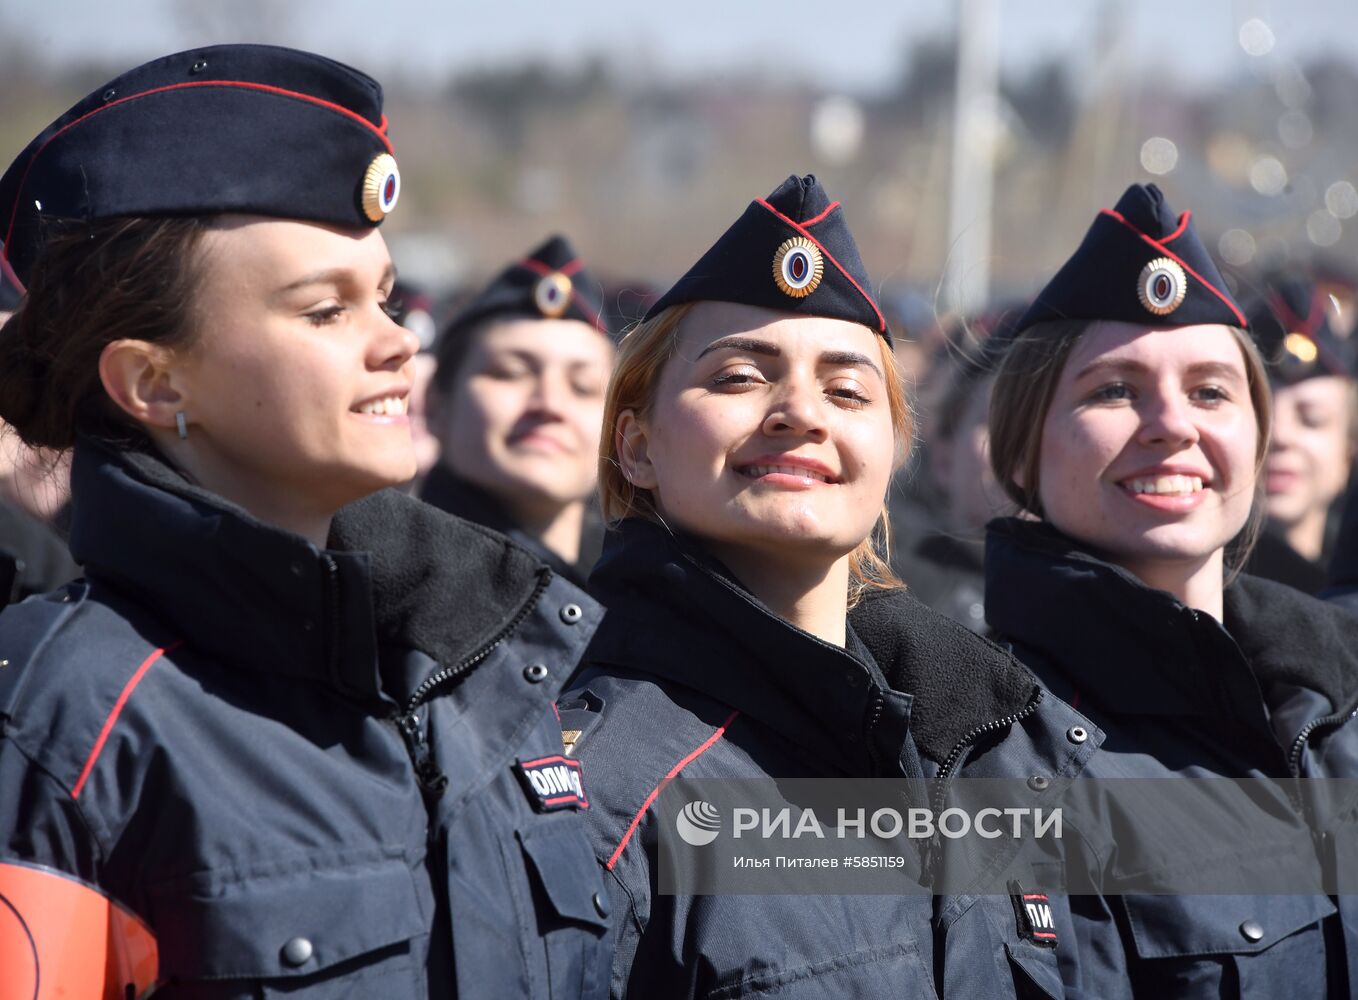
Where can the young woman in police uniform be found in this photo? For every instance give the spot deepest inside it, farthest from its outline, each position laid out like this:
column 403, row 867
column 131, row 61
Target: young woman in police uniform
column 1129, row 423
column 1315, row 431
column 516, row 402
column 752, row 425
column 288, row 733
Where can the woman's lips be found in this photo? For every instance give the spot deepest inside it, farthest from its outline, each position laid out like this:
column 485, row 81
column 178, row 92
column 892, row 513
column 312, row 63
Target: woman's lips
column 796, row 477
column 1169, row 492
column 1280, row 481
column 539, row 442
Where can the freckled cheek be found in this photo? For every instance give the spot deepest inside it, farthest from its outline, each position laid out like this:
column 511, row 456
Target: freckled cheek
column 866, row 456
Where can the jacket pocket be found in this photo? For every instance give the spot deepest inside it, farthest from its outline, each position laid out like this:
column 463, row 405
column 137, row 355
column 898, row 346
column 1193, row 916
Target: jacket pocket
column 347, row 932
column 1231, row 945
column 571, row 908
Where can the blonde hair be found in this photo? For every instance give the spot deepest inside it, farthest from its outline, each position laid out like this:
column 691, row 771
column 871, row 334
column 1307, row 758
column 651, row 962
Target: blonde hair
column 1022, row 396
column 642, row 357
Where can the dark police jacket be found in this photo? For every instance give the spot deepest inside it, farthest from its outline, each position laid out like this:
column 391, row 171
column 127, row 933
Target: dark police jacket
column 691, row 674
column 301, row 767
column 1273, row 694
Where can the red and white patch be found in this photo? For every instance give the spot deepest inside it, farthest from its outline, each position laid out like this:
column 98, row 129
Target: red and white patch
column 1033, row 911
column 553, row 783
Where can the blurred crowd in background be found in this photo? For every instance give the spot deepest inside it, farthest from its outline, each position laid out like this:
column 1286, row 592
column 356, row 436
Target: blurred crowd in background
column 968, row 169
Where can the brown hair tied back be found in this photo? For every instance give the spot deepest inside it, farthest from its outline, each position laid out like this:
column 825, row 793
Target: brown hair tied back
column 94, row 283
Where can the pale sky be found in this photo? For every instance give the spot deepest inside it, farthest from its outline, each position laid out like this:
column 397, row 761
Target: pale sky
column 848, row 45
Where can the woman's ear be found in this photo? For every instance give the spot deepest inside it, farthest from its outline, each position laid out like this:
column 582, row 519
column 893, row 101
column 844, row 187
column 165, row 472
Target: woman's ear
column 137, row 376
column 632, row 444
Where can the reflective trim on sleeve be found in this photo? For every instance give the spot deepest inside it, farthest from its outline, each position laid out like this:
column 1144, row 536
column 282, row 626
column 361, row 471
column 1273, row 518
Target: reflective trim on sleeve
column 62, row 938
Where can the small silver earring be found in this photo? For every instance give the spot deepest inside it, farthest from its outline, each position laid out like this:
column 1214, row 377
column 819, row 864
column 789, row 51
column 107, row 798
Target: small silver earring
column 182, row 424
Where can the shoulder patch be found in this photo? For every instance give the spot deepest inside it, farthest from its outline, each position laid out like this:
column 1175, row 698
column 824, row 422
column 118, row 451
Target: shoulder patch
column 1033, row 912
column 553, row 783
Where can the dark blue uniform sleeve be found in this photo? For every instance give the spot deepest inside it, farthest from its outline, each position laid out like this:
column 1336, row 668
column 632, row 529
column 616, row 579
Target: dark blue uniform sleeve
column 39, row 820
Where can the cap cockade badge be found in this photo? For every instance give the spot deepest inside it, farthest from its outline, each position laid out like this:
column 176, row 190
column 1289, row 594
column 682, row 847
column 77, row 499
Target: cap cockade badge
column 1162, row 286
column 381, row 187
column 552, row 295
column 798, row 267
column 1301, row 347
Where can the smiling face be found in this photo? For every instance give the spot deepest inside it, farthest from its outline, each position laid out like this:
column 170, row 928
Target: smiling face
column 522, row 414
column 1149, row 447
column 297, row 381
column 1310, row 452
column 768, row 434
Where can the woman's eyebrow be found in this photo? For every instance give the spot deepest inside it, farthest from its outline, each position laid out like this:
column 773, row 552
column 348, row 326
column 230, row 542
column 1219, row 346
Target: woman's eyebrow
column 850, row 359
column 738, row 343
column 1113, row 366
column 764, row 347
column 334, row 276
column 1220, row 369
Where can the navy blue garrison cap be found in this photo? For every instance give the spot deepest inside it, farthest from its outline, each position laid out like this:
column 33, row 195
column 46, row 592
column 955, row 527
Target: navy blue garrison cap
column 791, row 251
column 230, row 128
column 1139, row 263
column 550, row 283
column 1291, row 323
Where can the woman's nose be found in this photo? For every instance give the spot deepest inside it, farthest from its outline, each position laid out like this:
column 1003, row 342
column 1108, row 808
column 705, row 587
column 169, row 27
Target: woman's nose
column 1168, row 418
column 798, row 408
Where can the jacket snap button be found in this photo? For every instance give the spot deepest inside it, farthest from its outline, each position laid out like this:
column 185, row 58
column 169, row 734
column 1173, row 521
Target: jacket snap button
column 297, row 952
column 199, row 66
column 1038, row 783
column 535, row 673
column 1077, row 734
column 1252, row 930
column 571, row 614
column 601, row 904
column 110, row 94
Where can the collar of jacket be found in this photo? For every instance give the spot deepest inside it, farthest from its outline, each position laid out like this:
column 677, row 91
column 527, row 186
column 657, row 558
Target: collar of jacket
column 676, row 612
column 1133, row 649
column 256, row 597
column 448, row 491
column 960, row 682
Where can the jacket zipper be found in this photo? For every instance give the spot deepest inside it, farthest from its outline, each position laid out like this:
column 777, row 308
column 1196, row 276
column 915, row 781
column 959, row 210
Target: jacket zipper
column 1299, row 744
column 956, row 756
column 432, row 781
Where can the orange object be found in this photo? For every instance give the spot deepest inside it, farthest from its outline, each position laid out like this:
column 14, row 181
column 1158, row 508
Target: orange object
column 61, row 938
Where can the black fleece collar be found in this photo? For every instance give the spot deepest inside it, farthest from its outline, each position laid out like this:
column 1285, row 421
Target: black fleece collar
column 256, row 597
column 959, row 681
column 449, row 492
column 1137, row 650
column 676, row 612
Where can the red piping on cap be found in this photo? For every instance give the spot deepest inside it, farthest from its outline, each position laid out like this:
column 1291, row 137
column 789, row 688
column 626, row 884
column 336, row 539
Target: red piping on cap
column 112, row 719
column 1307, row 328
column 702, row 749
column 1175, row 257
column 820, row 218
column 1183, row 225
column 266, row 88
column 539, row 267
column 881, row 323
